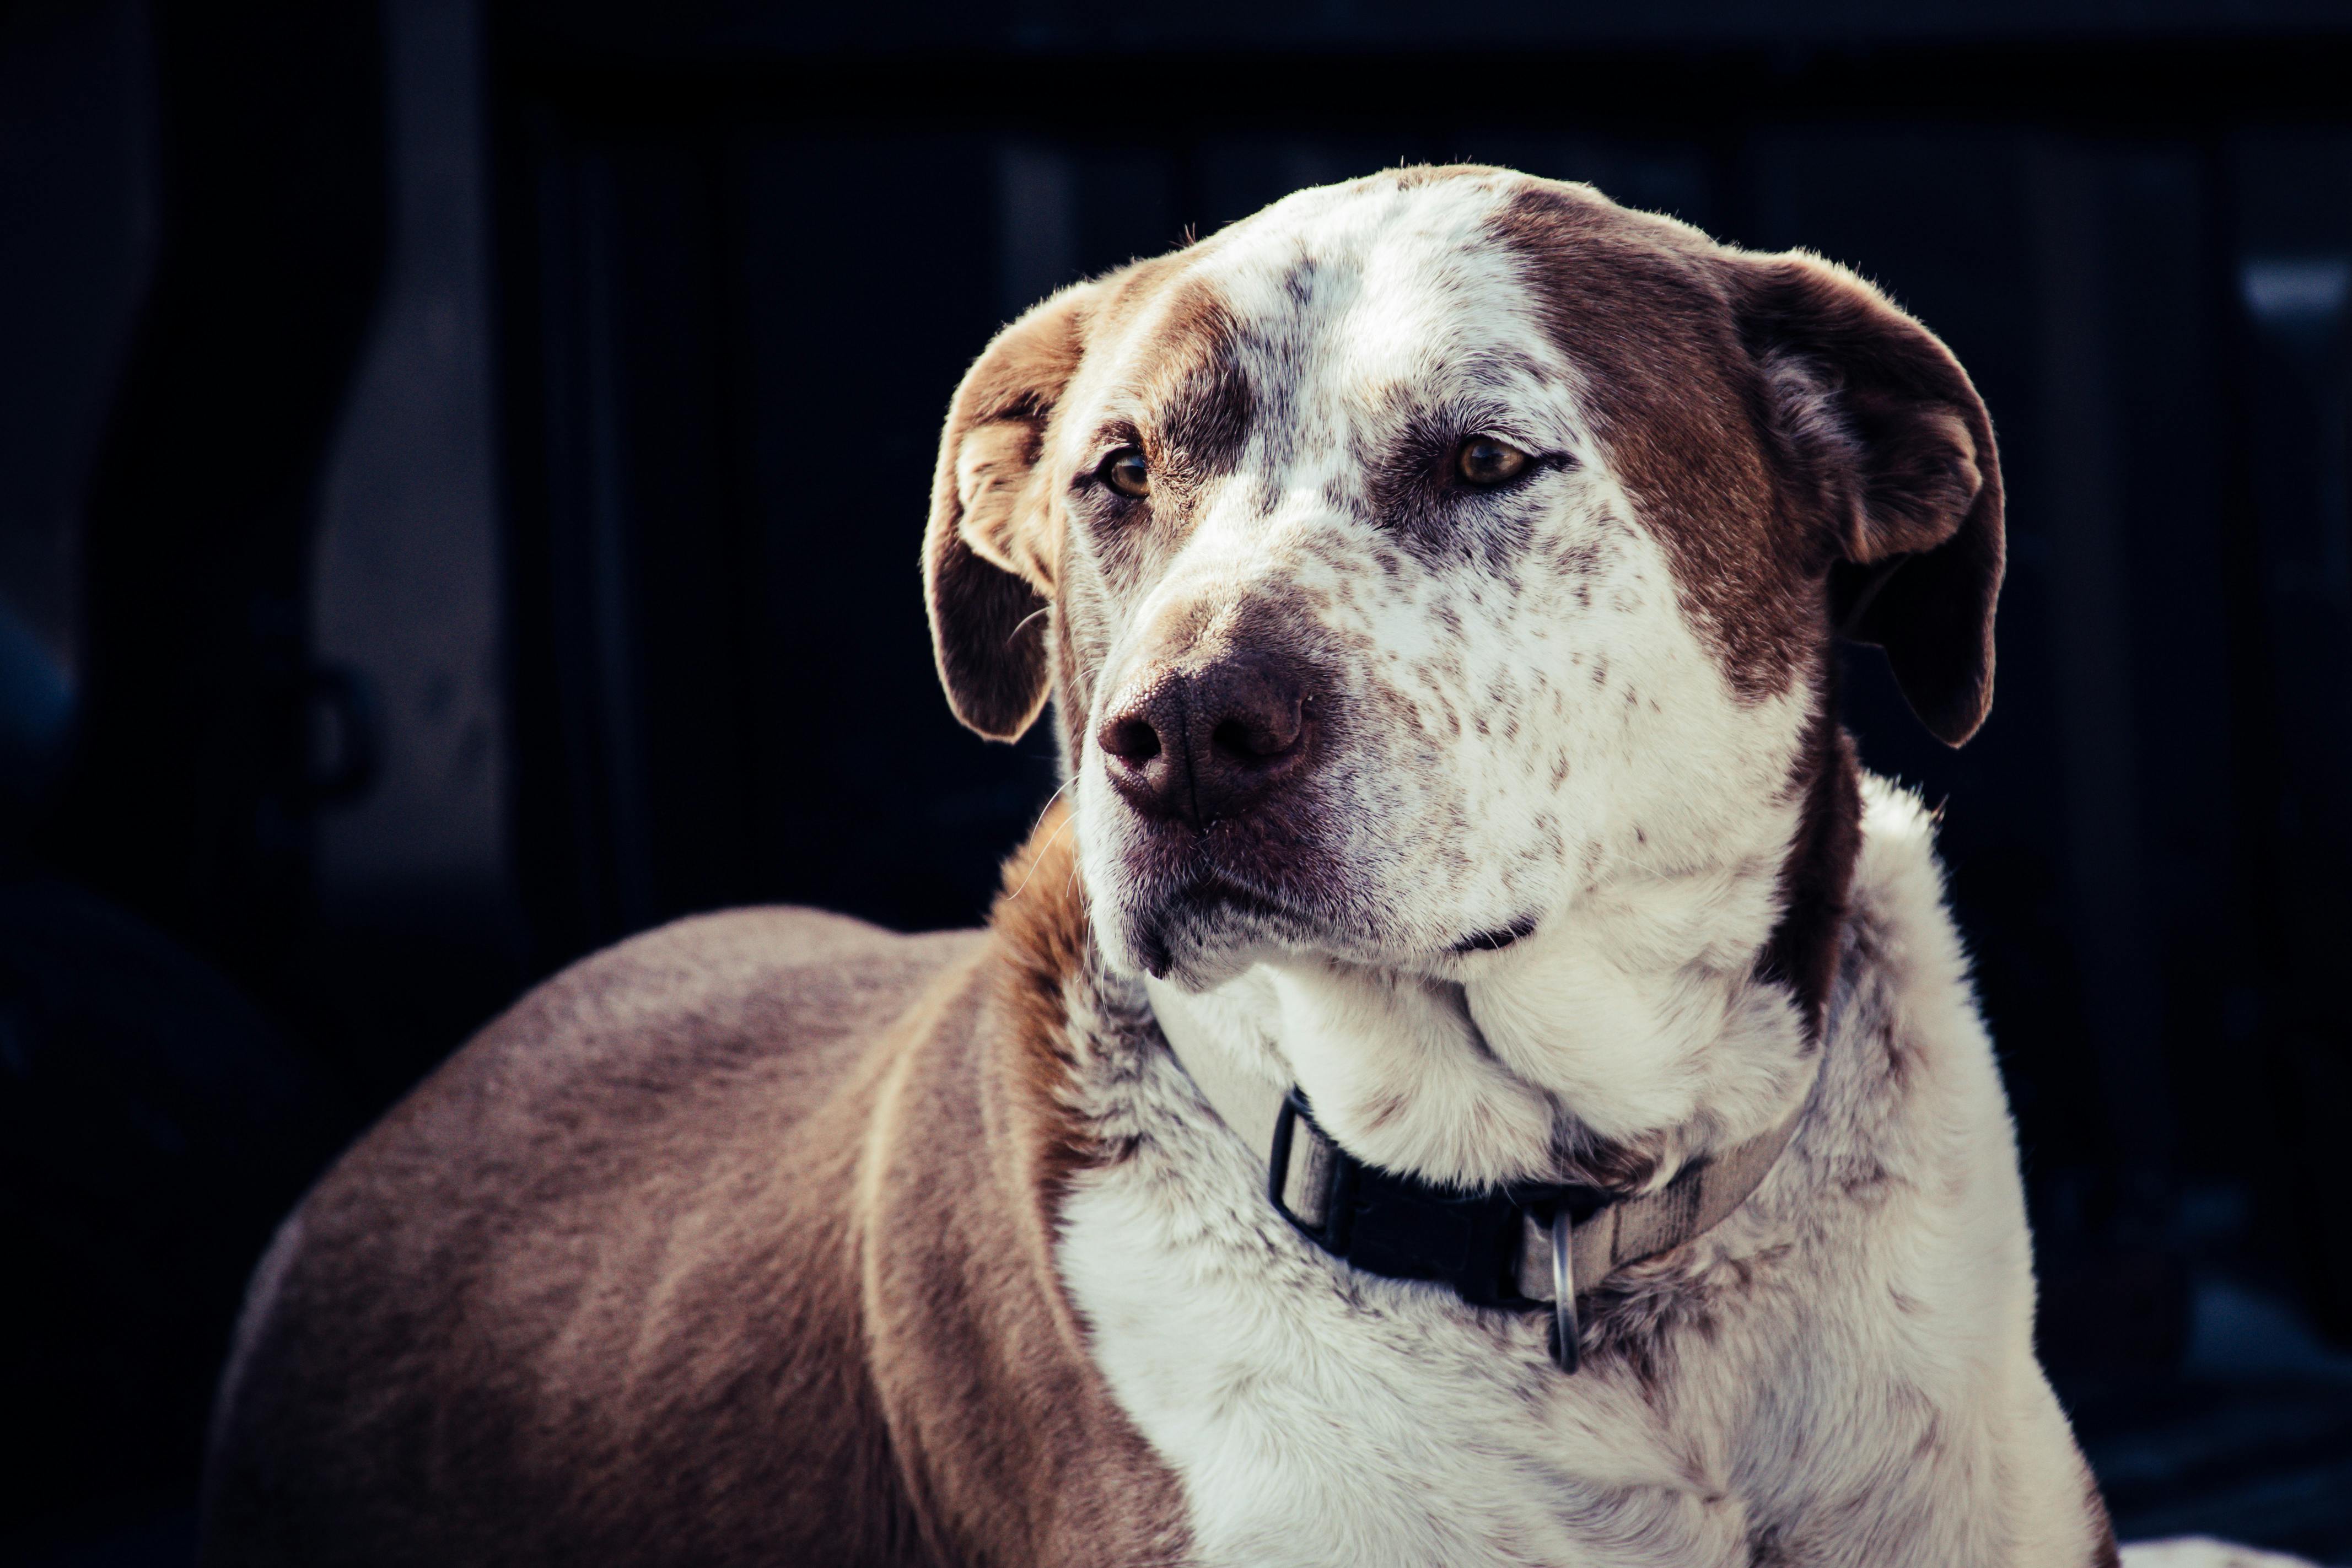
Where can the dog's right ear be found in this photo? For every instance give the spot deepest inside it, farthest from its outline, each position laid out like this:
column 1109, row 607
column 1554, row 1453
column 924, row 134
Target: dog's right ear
column 990, row 551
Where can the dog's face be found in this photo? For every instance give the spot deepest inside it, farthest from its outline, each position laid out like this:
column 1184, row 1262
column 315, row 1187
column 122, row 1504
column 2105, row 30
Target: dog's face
column 1428, row 553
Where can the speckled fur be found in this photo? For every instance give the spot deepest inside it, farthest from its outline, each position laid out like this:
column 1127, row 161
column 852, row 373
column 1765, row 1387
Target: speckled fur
column 1592, row 710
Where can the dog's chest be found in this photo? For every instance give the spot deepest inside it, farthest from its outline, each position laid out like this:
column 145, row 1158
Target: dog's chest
column 1313, row 1418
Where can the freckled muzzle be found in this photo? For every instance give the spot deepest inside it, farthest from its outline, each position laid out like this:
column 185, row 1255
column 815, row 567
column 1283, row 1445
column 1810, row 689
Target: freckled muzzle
column 1218, row 756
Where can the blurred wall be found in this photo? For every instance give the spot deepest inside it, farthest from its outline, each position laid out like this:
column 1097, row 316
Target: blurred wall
column 412, row 867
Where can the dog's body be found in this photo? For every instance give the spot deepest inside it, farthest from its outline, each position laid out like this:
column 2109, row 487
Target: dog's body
column 683, row 1262
column 732, row 1245
column 1438, row 576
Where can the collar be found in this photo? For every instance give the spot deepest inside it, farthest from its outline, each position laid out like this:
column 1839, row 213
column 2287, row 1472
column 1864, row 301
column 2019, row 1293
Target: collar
column 1521, row 1248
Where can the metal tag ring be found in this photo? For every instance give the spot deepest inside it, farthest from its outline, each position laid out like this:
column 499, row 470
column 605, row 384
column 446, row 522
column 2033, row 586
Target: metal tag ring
column 1566, row 1332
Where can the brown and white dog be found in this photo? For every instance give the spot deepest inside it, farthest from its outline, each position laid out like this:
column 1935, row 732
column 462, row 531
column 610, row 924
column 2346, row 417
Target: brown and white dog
column 1437, row 577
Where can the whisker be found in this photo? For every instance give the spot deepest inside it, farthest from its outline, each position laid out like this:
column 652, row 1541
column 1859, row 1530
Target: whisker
column 1038, row 858
column 1048, row 805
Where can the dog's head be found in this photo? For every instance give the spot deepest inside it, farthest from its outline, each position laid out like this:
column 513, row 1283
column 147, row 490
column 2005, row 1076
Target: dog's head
column 1427, row 552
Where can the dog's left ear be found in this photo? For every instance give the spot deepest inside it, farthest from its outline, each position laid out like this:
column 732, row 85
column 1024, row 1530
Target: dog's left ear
column 1887, row 441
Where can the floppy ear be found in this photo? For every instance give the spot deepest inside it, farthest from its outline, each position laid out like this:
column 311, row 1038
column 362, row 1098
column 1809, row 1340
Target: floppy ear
column 988, row 559
column 1889, row 444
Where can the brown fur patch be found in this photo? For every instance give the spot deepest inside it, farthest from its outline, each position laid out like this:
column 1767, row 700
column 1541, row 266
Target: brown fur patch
column 1202, row 399
column 1635, row 302
column 1040, row 920
column 1817, row 878
column 1777, row 419
column 1019, row 1453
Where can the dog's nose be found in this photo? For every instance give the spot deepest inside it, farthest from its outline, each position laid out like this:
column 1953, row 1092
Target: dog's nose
column 1206, row 745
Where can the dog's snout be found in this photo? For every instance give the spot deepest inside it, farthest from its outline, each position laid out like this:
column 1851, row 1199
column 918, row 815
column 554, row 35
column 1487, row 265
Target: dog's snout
column 1204, row 744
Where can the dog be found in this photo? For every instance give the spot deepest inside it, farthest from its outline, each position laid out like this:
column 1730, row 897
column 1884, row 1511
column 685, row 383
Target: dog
column 1470, row 1071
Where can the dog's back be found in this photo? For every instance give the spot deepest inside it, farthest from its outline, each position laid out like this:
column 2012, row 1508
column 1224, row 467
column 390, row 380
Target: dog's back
column 508, row 1325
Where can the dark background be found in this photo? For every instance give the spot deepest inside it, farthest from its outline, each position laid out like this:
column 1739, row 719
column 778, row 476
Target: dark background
column 461, row 465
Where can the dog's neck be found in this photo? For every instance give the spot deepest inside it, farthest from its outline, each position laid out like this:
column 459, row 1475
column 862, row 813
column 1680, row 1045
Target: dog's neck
column 1659, row 1020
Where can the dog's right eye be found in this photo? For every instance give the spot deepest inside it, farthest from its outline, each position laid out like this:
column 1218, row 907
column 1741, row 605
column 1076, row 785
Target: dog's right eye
column 1125, row 471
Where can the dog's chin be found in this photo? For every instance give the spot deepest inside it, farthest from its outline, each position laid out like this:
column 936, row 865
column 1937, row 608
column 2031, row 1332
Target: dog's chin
column 1201, row 936
column 1201, row 926
column 1197, row 909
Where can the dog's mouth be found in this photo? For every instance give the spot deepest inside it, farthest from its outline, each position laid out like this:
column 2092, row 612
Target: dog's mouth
column 1190, row 899
column 1198, row 904
column 1496, row 940
column 1211, row 912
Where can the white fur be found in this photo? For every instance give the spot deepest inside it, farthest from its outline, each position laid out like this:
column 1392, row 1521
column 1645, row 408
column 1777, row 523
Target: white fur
column 1320, row 1416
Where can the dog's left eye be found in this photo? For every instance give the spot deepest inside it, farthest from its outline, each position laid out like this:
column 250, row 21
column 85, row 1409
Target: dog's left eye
column 1484, row 460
